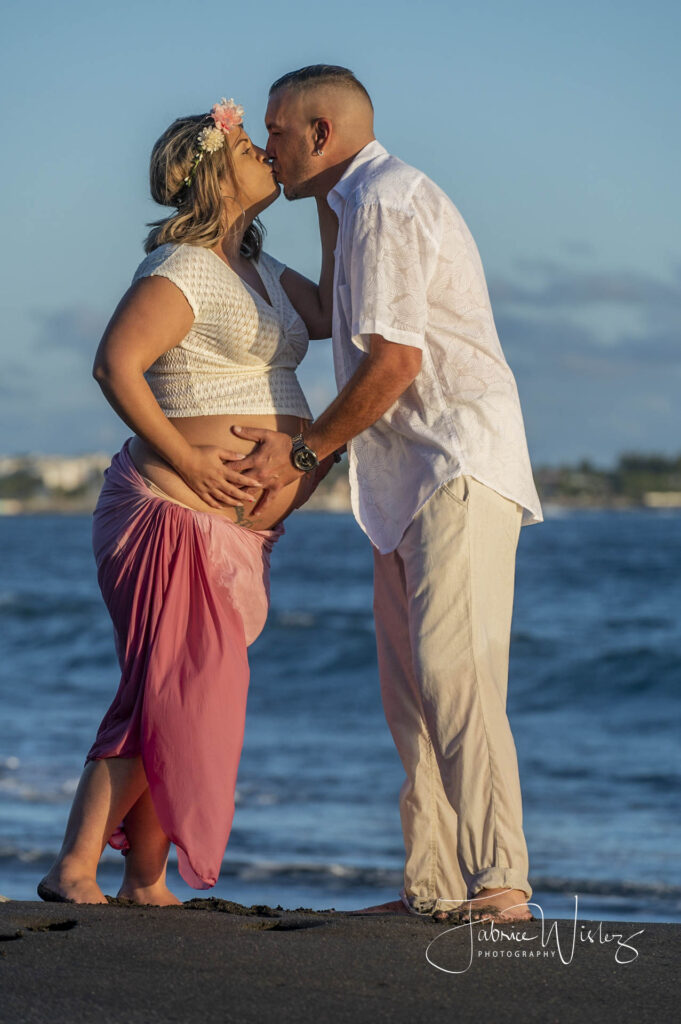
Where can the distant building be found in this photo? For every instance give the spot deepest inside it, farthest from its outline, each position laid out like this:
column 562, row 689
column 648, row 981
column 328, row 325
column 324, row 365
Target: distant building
column 662, row 499
column 69, row 473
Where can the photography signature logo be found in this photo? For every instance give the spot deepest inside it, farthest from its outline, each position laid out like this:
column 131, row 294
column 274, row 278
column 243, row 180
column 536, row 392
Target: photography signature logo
column 514, row 941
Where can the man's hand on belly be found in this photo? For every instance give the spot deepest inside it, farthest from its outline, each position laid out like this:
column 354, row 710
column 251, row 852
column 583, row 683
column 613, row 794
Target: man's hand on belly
column 269, row 464
column 384, row 374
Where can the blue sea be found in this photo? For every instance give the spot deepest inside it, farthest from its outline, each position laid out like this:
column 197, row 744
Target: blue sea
column 594, row 701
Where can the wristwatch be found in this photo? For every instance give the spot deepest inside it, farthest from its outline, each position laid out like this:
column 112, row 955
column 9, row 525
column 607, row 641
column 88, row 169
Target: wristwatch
column 302, row 457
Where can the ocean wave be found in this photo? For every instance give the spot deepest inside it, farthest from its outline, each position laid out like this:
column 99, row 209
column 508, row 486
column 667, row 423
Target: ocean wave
column 338, row 876
column 594, row 887
column 15, row 788
column 45, row 789
column 336, row 619
column 31, row 605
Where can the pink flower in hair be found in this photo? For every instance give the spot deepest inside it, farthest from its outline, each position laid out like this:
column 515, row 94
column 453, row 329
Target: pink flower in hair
column 227, row 115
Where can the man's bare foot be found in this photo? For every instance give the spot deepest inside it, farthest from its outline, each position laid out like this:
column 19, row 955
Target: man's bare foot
column 158, row 895
column 59, row 887
column 394, row 907
column 503, row 906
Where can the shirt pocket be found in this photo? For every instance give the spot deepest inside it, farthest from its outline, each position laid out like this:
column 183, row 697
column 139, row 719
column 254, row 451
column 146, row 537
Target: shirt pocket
column 457, row 489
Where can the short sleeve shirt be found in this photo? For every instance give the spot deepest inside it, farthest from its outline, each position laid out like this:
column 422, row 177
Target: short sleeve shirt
column 407, row 268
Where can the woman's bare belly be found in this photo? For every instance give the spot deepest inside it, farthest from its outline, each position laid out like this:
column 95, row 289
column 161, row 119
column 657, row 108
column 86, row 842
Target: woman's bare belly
column 216, row 430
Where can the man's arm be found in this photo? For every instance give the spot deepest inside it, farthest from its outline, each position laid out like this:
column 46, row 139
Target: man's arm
column 383, row 375
column 314, row 302
column 386, row 266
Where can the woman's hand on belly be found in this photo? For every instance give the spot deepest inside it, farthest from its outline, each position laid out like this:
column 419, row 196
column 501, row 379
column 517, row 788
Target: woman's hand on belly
column 215, row 482
column 202, row 433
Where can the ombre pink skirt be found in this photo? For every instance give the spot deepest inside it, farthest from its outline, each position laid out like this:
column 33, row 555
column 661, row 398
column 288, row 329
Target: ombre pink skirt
column 187, row 592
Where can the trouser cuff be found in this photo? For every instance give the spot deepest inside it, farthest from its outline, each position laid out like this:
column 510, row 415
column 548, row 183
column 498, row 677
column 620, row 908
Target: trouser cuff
column 497, row 878
column 423, row 906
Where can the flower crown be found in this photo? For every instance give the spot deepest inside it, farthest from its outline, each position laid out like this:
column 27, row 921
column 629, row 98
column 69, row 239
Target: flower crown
column 226, row 115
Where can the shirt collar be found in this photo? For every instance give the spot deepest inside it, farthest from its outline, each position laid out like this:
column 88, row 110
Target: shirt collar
column 353, row 173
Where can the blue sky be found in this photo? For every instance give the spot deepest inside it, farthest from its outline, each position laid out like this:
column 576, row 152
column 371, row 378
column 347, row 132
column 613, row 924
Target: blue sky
column 553, row 127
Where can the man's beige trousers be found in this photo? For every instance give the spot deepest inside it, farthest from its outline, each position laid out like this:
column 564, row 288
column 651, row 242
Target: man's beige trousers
column 443, row 604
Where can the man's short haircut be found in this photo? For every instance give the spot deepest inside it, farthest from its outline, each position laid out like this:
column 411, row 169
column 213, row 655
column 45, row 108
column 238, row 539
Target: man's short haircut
column 320, row 74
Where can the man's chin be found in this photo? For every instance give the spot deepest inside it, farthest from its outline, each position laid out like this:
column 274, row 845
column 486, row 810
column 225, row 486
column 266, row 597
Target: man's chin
column 302, row 191
column 292, row 192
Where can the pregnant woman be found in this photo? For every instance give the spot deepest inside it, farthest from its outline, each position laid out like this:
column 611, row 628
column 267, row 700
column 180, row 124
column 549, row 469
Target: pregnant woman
column 207, row 338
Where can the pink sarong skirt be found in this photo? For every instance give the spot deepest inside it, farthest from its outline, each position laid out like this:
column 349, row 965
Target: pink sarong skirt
column 187, row 592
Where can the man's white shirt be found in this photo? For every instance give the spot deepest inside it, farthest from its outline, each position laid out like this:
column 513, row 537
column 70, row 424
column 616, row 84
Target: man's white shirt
column 407, row 268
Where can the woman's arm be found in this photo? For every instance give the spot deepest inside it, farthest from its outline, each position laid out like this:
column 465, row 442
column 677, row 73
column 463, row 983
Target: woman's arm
column 151, row 318
column 314, row 302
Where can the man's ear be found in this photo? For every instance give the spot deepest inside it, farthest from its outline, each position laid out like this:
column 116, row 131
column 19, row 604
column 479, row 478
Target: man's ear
column 322, row 132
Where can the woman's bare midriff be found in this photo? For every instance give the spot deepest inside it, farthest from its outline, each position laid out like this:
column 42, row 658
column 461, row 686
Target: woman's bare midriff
column 216, row 430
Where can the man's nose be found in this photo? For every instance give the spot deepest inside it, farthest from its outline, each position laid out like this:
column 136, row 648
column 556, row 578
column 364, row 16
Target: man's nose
column 269, row 149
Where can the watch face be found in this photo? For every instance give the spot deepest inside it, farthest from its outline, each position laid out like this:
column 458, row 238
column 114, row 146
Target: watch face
column 305, row 459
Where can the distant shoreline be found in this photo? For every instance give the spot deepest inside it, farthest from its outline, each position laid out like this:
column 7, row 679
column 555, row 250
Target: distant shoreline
column 550, row 508
column 69, row 485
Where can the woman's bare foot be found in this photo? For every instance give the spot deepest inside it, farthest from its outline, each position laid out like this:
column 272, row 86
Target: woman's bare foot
column 61, row 887
column 503, row 906
column 107, row 788
column 158, row 895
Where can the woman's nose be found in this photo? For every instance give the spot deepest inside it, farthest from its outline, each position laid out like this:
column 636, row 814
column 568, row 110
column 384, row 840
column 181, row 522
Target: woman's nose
column 262, row 154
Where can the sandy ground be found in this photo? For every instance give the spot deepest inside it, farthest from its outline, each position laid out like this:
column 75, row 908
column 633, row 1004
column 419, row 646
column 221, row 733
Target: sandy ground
column 211, row 961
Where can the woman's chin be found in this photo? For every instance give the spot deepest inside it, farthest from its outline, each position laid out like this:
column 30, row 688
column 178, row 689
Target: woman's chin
column 256, row 208
column 274, row 195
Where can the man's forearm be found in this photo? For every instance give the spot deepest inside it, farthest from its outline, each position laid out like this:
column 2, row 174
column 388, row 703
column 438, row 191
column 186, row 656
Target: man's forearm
column 371, row 391
column 385, row 373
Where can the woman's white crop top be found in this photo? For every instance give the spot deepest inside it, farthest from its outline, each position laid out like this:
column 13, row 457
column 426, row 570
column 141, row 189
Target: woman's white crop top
column 241, row 353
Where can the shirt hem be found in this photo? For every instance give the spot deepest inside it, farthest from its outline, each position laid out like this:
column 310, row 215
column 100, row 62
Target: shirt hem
column 535, row 516
column 180, row 414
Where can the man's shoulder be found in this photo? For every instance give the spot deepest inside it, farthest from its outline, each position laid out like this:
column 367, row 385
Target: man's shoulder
column 391, row 183
column 387, row 181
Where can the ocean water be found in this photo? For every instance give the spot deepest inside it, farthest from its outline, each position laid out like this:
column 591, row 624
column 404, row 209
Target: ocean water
column 594, row 701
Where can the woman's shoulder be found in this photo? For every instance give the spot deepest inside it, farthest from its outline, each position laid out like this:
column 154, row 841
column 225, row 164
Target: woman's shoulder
column 176, row 252
column 154, row 260
column 190, row 267
column 173, row 254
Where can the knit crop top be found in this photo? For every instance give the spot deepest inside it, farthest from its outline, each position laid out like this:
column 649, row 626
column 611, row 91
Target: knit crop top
column 241, row 353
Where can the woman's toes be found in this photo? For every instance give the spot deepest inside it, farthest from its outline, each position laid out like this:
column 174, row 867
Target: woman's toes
column 149, row 896
column 82, row 890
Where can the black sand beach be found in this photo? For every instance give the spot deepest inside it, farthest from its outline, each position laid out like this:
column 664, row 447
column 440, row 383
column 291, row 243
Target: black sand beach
column 211, row 961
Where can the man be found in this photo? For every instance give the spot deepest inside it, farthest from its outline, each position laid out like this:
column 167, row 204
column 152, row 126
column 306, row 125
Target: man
column 440, row 479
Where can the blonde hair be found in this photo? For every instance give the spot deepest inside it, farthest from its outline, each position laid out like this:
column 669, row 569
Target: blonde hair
column 199, row 214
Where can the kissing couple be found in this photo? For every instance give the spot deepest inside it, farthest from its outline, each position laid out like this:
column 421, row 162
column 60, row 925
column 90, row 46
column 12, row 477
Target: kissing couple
column 199, row 360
